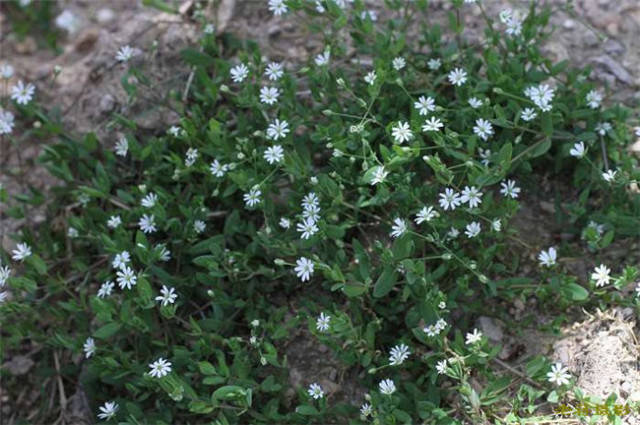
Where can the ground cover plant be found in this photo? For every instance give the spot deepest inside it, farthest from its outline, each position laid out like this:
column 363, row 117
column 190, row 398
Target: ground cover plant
column 371, row 187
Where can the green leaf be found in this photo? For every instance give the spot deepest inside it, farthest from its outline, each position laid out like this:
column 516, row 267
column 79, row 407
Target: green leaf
column 107, row 330
column 37, row 263
column 197, row 58
column 385, row 282
column 206, row 368
column 307, row 410
column 354, row 290
column 576, row 292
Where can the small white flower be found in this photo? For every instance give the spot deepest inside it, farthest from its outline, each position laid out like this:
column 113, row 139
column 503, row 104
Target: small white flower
column 399, row 228
column 253, row 197
column 312, row 212
column 274, row 71
column 124, row 53
column 310, row 199
column 434, row 64
column 147, row 223
column 609, row 175
column 269, row 95
column 168, row 296
column 594, row 98
column 209, row 29
column 67, row 21
column 21, row 252
column 5, row 272
column 114, row 221
column 160, row 368
column 122, row 146
column 558, row 375
column 307, row 227
column 601, row 275
column 449, row 200
column 541, row 96
column 474, row 337
column 366, row 410
column 485, row 155
column 191, row 156
column 121, row 259
column 496, row 225
column 371, row 14
column 218, row 169
column 164, row 254
column 475, row 103
column 72, row 232
column 278, row 7
column 483, row 129
column 509, row 189
column 6, row 71
column 150, row 200
column 472, row 196
column 424, row 105
column 432, row 124
column 398, row 354
column 379, row 175
column 7, row 121
column 441, row 367
column 126, row 278
column 278, row 129
column 637, row 131
column 548, row 258
column 442, row 305
column 175, row 131
column 315, row 391
column 401, row 132
column 457, row 77
column 4, row 296
column 528, row 114
column 370, row 78
column 199, row 226
column 426, row 214
column 453, row 233
column 285, row 223
column 322, row 322
column 578, row 150
column 387, row 386
column 304, row 268
column 89, row 348
column 274, row 154
column 323, row 58
column 108, row 410
column 105, row 289
column 22, row 93
column 603, row 128
column 399, row 63
column 239, row 73
column 472, row 229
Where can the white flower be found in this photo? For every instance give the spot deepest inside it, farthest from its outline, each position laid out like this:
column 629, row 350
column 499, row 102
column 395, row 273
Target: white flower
column 274, row 71
column 602, row 128
column 147, row 223
column 21, row 252
column 442, row 305
column 269, row 95
column 578, row 150
column 278, row 7
column 175, row 131
column 253, row 197
column 72, row 232
column 209, row 29
column 310, row 199
column 594, row 98
column 548, row 258
column 277, row 129
column 6, row 71
column 89, row 347
column 434, row 64
column 218, row 169
column 323, row 58
column 528, row 114
column 307, row 227
column 108, row 410
column 371, row 14
column 370, row 78
column 366, row 410
column 168, row 296
column 401, row 132
column 165, row 254
column 637, row 131
column 160, row 368
column 472, row 229
column 541, row 95
column 199, row 226
column 22, row 93
column 67, row 21
column 509, row 189
column 458, row 77
column 285, row 223
column 312, row 212
column 114, row 221
column 5, row 272
column 121, row 259
column 239, row 73
column 7, row 120
column 122, row 146
column 398, row 354
column 191, row 156
column 449, row 200
column 150, row 200
column 315, row 391
column 441, row 367
column 126, row 278
column 609, row 175
column 474, row 337
column 512, row 21
column 274, row 154
column 601, row 275
column 472, row 196
column 304, row 268
column 432, row 124
column 453, row 233
column 426, row 214
column 3, row 296
column 399, row 63
column 475, row 103
column 483, row 129
column 322, row 322
column 124, row 54
column 424, row 105
column 398, row 228
column 558, row 375
column 379, row 175
column 105, row 289
column 496, row 225
column 387, row 386
column 485, row 155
